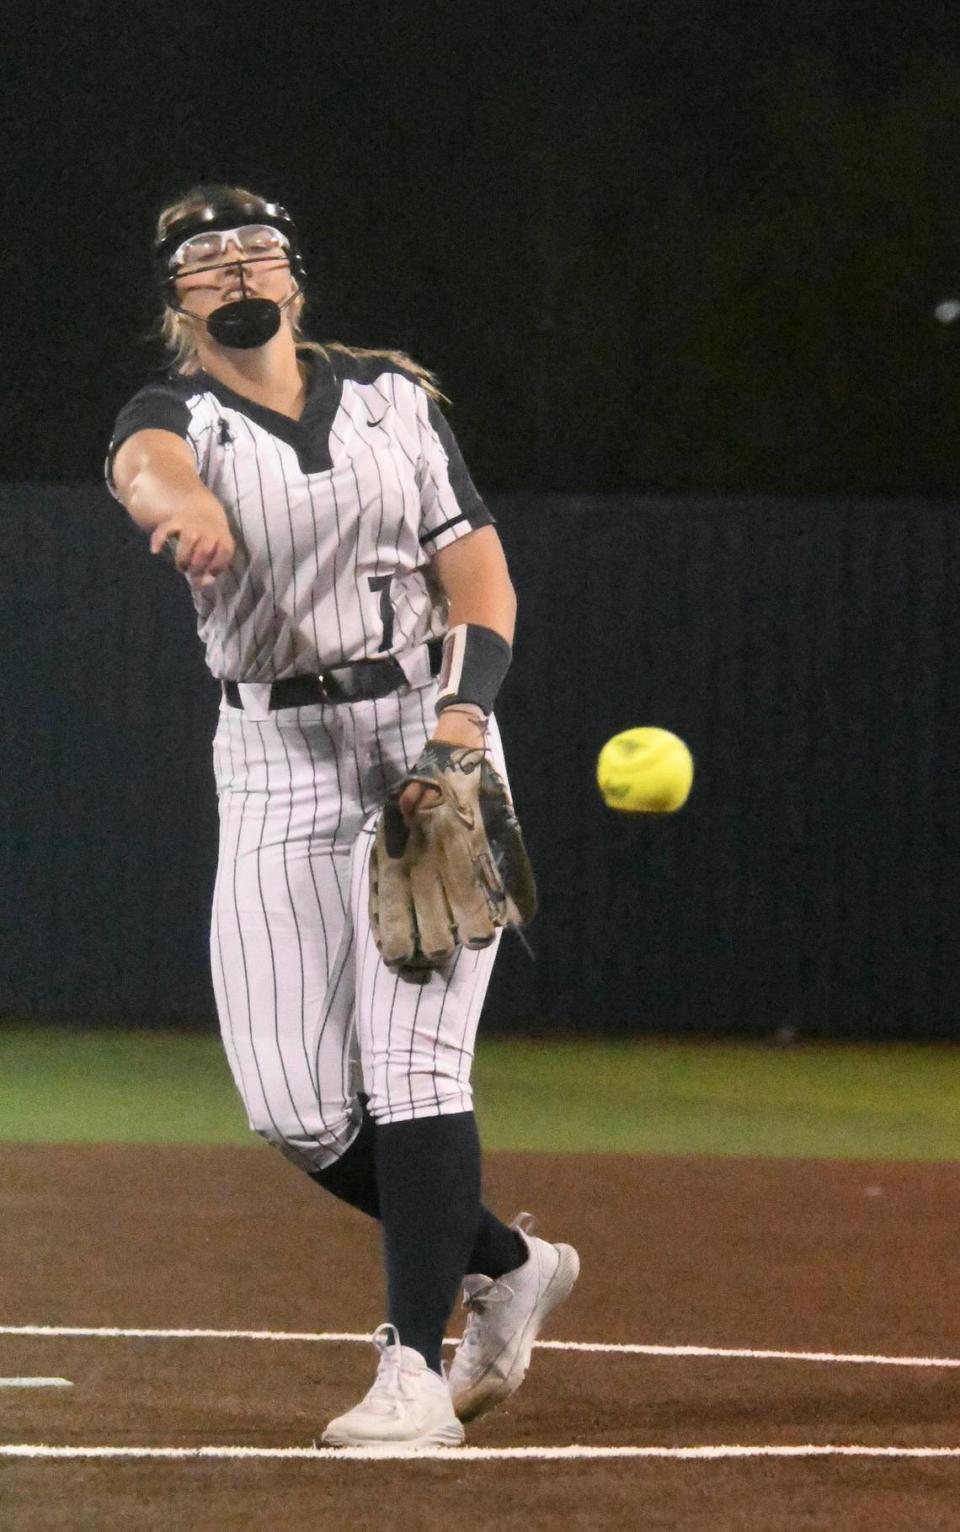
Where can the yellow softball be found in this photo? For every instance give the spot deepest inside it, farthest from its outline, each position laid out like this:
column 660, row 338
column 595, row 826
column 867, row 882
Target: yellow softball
column 645, row 771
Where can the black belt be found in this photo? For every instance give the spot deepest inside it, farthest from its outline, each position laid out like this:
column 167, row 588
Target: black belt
column 359, row 682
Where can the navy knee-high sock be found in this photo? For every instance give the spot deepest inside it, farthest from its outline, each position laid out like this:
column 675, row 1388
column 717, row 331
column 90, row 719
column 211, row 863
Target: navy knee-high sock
column 496, row 1249
column 428, row 1177
column 353, row 1178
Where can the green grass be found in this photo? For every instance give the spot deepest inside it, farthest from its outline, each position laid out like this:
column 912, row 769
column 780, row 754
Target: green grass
column 653, row 1097
column 882, row 1102
column 116, row 1087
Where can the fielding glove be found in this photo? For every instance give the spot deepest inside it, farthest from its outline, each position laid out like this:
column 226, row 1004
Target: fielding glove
column 455, row 873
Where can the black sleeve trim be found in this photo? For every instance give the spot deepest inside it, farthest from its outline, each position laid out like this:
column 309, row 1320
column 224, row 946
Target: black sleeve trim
column 152, row 409
column 481, row 518
column 468, row 497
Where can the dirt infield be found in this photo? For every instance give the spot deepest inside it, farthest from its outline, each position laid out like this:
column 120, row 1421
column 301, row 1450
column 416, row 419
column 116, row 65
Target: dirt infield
column 835, row 1258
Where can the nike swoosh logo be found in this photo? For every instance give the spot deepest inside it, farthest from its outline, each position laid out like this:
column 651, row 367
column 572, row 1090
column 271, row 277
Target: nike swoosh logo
column 376, row 422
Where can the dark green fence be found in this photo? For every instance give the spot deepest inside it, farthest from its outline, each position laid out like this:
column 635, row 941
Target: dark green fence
column 807, row 650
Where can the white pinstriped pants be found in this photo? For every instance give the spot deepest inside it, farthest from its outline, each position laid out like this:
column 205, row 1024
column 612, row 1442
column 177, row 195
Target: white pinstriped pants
column 308, row 1012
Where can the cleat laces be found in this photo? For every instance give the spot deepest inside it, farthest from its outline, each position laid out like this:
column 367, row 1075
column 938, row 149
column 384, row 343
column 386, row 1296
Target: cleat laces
column 387, row 1394
column 479, row 1295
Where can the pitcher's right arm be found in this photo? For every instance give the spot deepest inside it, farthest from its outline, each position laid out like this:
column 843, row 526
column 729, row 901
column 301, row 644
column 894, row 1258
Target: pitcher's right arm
column 156, row 477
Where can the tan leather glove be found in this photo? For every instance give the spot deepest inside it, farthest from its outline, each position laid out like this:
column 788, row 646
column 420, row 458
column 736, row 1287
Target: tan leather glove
column 456, row 873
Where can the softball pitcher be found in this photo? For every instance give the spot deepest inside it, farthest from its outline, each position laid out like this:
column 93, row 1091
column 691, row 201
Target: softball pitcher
column 354, row 602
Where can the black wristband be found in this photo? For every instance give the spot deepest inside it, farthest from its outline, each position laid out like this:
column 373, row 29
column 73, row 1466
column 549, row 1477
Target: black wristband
column 475, row 661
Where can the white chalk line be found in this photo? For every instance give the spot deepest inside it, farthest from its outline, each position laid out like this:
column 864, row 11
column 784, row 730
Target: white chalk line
column 35, row 1383
column 605, row 1348
column 470, row 1454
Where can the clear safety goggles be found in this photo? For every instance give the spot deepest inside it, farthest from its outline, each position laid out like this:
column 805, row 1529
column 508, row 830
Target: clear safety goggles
column 254, row 241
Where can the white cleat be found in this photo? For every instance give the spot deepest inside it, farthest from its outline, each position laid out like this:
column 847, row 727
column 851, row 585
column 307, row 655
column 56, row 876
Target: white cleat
column 504, row 1319
column 407, row 1408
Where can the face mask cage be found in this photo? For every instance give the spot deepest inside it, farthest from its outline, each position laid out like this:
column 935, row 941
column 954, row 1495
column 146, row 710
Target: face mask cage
column 211, row 221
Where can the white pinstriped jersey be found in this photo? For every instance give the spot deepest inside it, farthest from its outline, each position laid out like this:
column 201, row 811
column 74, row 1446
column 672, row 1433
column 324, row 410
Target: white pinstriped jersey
column 336, row 515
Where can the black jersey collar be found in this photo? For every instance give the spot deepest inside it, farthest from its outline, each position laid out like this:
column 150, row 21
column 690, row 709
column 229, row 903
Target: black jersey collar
column 310, row 435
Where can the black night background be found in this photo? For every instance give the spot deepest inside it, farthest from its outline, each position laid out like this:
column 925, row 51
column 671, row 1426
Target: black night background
column 670, row 247
column 678, row 266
